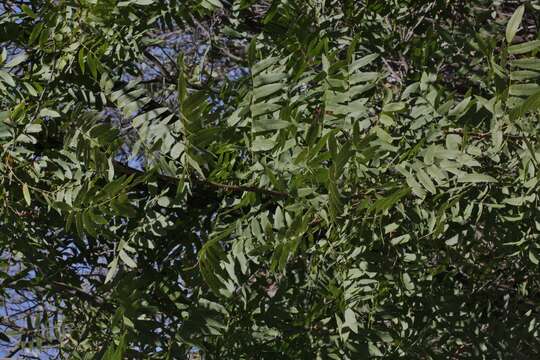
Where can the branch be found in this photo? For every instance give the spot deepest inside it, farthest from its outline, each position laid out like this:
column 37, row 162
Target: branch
column 240, row 188
column 122, row 168
column 95, row 299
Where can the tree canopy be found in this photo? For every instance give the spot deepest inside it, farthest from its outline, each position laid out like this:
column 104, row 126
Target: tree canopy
column 269, row 179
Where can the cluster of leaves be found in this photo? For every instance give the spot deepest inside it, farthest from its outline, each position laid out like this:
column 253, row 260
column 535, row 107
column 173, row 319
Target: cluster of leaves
column 257, row 179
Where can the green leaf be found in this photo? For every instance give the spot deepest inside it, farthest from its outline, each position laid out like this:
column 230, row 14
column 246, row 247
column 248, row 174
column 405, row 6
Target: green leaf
column 26, row 194
column 391, row 228
column 33, row 128
column 17, row 60
column 262, row 144
column 262, row 124
column 195, row 165
column 453, row 141
column 527, row 63
column 266, row 90
column 279, row 219
column 374, row 350
column 425, row 180
column 520, row 75
column 263, row 65
column 148, row 116
column 35, row 33
column 531, row 104
column 332, row 187
column 271, row 78
column 515, row 201
column 7, row 78
column 394, row 107
column 123, row 207
column 126, row 259
column 116, row 352
column 452, row 241
column 360, row 63
column 81, row 58
column 476, row 178
column 351, row 321
column 264, row 108
column 523, row 89
column 92, row 64
column 26, row 9
column 88, row 224
column 513, row 24
column 461, row 107
column 177, row 150
column 113, row 267
column 533, row 258
column 407, row 282
column 49, row 113
column 524, row 47
column 182, row 82
column 214, row 4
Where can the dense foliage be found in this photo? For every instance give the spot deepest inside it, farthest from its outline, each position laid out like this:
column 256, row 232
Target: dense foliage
column 269, row 179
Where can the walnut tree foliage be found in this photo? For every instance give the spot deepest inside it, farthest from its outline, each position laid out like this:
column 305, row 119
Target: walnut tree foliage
column 269, row 179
